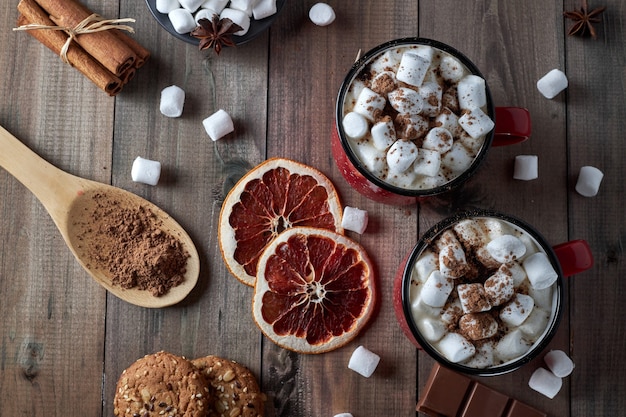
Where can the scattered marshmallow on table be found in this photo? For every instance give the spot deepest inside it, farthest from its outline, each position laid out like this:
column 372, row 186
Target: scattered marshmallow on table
column 218, row 125
column 354, row 219
column 322, row 14
column 545, row 382
column 589, row 179
column 182, row 20
column 363, row 361
column 559, row 363
column 526, row 167
column 552, row 83
column 172, row 101
column 146, row 171
column 343, row 415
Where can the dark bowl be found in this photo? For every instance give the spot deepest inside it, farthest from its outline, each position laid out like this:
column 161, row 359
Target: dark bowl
column 256, row 26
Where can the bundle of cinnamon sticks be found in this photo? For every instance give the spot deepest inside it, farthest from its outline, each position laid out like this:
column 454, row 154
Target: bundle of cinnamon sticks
column 109, row 58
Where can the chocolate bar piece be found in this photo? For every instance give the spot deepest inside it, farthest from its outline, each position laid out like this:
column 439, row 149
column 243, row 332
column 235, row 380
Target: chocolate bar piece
column 450, row 394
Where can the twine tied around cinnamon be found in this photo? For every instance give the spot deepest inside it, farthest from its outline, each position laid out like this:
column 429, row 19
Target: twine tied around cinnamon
column 91, row 24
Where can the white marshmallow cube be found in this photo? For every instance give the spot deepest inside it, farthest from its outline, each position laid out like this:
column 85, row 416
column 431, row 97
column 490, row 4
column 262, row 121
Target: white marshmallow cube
column 218, row 125
column 245, row 6
column 476, row 123
column 473, row 298
column 517, row 273
column 478, row 326
column 535, row 324
column 383, row 134
column 438, row 139
column 322, row 14
column 512, row 345
column 204, row 13
column 451, row 69
column 545, row 382
column 427, row 163
column 426, row 264
column 559, row 363
column 355, row 125
column 552, row 83
column 472, row 92
column 354, row 219
column 483, row 357
column 449, row 121
column 456, row 348
column 506, row 249
column 452, row 261
column 539, row 270
column 401, row 155
column 343, row 415
column 436, row 289
column 238, row 17
column 526, row 167
column 431, row 93
column 166, row 6
column 263, row 9
column 406, row 100
column 370, row 157
column 517, row 310
column 369, row 104
column 217, row 5
column 589, row 179
column 544, row 298
column 191, row 5
column 413, row 68
column 363, row 361
column 499, row 287
column 431, row 329
column 146, row 171
column 182, row 20
column 172, row 101
column 458, row 158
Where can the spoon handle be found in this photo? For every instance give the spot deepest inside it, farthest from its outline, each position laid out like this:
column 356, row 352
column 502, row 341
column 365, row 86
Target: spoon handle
column 54, row 188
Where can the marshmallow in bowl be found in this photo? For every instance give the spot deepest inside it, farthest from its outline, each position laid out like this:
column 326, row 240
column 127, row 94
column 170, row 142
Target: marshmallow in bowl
column 472, row 92
column 401, row 155
column 539, row 270
column 589, row 179
column 217, row 5
column 545, row 382
column 506, row 249
column 413, row 68
column 263, row 9
column 551, row 84
column 182, row 20
column 191, row 5
column 204, row 13
column 476, row 122
column 369, row 104
column 456, row 348
column 383, row 133
column 166, row 6
column 436, row 289
column 354, row 219
column 218, row 125
column 517, row 310
column 146, row 171
column 238, row 17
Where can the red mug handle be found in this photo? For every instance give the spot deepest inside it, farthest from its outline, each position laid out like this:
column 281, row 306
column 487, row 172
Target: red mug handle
column 512, row 126
column 574, row 256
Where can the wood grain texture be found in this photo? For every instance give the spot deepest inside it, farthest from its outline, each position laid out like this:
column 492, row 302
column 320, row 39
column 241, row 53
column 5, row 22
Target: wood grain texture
column 64, row 341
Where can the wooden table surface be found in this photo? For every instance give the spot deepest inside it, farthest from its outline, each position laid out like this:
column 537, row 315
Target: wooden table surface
column 64, row 341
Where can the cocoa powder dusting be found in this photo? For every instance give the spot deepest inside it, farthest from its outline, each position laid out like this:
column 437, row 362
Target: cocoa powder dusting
column 126, row 242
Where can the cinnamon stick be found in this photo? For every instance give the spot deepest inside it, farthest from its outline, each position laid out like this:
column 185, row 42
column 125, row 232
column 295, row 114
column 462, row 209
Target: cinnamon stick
column 106, row 47
column 77, row 57
column 142, row 54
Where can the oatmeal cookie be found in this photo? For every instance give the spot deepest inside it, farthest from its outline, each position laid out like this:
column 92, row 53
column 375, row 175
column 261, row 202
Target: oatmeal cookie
column 161, row 385
column 236, row 390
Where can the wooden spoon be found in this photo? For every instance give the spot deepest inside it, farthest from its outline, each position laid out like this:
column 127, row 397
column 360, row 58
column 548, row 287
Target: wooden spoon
column 67, row 197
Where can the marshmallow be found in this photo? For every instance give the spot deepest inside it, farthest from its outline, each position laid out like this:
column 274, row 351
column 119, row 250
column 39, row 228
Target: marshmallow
column 458, row 158
column 539, row 270
column 589, row 179
column 452, row 311
column 472, row 92
column 431, row 93
column 438, row 139
column 512, row 345
column 191, row 5
column 451, row 69
column 476, row 123
column 204, row 13
column 436, row 289
column 483, row 357
column 535, row 324
column 322, row 14
column 506, row 249
column 559, row 363
column 473, row 298
column 495, row 228
column 544, row 298
column 499, row 286
column 354, row 219
column 452, row 261
column 426, row 264
column 243, row 5
column 383, row 134
column 526, row 167
column 401, row 155
column 545, row 382
column 218, row 125
column 384, row 83
column 370, row 157
column 413, row 68
column 369, row 104
column 552, row 83
column 449, row 121
column 166, row 6
column 182, row 20
column 478, row 326
column 517, row 310
column 363, row 361
column 217, row 5
column 413, row 126
column 470, row 233
column 238, row 17
column 355, row 125
column 473, row 144
column 263, row 9
column 401, row 179
column 172, row 101
column 456, row 348
column 146, row 171
column 431, row 329
column 517, row 273
column 427, row 163
column 406, row 100
column 343, row 415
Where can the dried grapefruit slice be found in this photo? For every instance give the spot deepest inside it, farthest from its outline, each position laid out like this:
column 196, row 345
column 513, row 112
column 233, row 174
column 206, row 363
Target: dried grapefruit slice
column 315, row 290
column 275, row 195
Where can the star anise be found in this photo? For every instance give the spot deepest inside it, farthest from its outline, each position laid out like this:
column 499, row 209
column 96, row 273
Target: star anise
column 215, row 33
column 583, row 20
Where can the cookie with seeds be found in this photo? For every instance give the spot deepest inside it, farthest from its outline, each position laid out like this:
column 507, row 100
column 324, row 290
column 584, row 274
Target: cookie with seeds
column 235, row 389
column 162, row 385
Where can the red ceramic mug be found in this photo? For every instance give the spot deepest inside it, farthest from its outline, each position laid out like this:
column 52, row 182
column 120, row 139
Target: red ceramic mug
column 521, row 341
column 512, row 125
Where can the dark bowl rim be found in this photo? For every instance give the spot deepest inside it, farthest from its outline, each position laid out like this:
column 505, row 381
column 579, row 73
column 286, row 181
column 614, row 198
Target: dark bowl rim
column 356, row 162
column 428, row 238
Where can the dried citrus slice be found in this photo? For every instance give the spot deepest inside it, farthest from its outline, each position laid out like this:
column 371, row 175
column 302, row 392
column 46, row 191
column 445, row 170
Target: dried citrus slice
column 314, row 291
column 275, row 195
